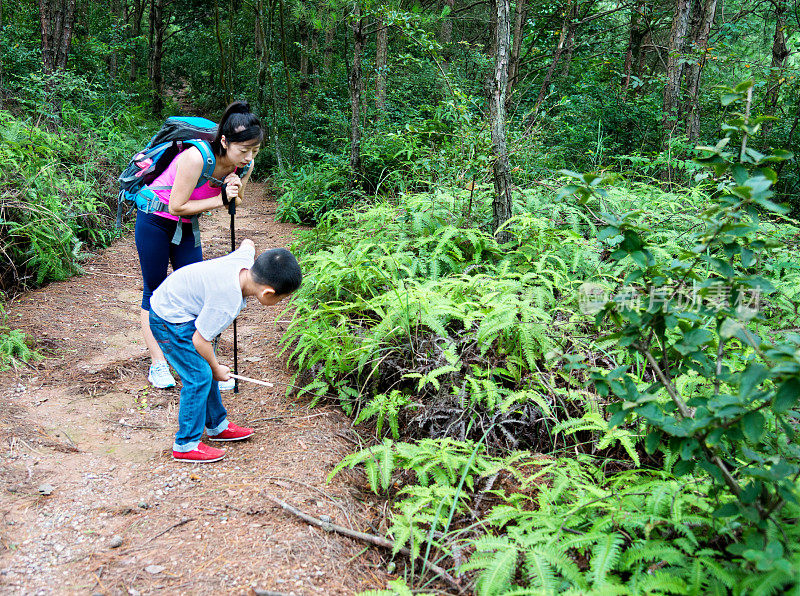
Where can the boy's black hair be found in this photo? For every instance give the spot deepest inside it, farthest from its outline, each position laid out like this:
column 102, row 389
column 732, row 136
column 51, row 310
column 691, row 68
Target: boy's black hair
column 278, row 269
column 239, row 125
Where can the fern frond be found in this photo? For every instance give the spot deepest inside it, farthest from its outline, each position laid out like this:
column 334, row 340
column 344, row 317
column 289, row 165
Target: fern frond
column 605, row 556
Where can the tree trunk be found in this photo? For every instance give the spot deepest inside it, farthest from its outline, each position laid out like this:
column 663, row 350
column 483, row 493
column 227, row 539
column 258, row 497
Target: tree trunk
column 516, row 47
column 266, row 71
column 566, row 25
column 115, row 7
column 354, row 86
column 327, row 58
column 635, row 36
column 779, row 55
column 315, row 56
column 303, row 27
column 446, row 36
column 223, row 57
column 675, row 66
column 381, row 51
column 66, row 35
column 496, row 84
column 569, row 46
column 136, row 31
column 289, row 99
column 700, row 36
column 1, row 55
column 56, row 18
column 158, row 27
column 263, row 55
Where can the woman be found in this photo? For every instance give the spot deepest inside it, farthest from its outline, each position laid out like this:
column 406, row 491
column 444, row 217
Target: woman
column 236, row 144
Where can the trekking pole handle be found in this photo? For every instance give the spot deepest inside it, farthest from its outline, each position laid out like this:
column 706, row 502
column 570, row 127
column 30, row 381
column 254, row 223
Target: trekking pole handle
column 226, row 201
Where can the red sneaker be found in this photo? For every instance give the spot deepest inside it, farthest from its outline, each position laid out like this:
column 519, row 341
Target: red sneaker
column 202, row 455
column 232, row 433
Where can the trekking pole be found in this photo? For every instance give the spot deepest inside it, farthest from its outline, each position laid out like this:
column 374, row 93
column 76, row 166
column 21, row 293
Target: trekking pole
column 232, row 211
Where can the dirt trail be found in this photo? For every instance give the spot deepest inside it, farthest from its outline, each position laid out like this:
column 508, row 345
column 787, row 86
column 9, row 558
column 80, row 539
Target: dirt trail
column 85, row 425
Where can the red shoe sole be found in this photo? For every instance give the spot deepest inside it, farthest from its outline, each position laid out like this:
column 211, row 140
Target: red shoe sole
column 233, row 439
column 197, row 461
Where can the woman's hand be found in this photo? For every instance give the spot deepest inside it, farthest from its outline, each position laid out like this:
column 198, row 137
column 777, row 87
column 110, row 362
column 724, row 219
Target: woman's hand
column 233, row 187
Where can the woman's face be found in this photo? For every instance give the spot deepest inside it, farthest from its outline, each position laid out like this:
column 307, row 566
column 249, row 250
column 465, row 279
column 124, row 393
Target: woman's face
column 242, row 153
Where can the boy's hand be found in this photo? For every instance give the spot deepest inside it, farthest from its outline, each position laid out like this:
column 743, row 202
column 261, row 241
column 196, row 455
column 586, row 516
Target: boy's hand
column 221, row 373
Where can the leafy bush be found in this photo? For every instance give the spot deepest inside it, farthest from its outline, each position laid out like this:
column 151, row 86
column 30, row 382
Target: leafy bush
column 14, row 345
column 57, row 193
column 429, row 327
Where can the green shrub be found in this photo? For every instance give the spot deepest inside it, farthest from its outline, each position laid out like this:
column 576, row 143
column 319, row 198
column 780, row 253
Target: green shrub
column 58, row 192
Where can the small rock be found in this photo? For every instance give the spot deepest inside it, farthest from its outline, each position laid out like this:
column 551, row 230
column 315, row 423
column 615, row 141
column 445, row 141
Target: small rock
column 45, row 489
column 143, row 505
column 133, row 592
column 115, row 542
column 154, row 569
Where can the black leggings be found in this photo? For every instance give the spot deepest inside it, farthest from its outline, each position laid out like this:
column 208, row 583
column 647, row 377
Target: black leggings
column 156, row 251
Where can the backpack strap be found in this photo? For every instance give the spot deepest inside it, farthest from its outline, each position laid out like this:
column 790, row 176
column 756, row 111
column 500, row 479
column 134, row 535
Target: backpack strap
column 148, row 202
column 209, row 160
column 242, row 172
column 178, row 235
column 156, row 204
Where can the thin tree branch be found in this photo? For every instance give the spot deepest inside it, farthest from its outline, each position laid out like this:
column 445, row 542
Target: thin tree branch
column 370, row 538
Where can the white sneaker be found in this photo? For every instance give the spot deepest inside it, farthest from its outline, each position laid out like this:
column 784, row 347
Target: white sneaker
column 227, row 385
column 159, row 375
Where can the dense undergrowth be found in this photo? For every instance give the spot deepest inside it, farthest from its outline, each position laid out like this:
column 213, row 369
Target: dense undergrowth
column 59, row 162
column 605, row 404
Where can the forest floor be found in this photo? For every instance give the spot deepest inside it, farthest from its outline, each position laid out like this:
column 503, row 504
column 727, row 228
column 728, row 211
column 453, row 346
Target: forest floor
column 119, row 516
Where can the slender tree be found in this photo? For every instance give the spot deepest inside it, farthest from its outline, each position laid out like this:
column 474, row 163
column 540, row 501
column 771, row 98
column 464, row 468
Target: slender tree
column 497, row 84
column 1, row 55
column 780, row 53
column 568, row 11
column 303, row 29
column 446, row 35
column 222, row 71
column 354, row 86
column 636, row 35
column 330, row 36
column 381, row 52
column 134, row 19
column 516, row 47
column 675, row 66
column 159, row 22
column 701, row 30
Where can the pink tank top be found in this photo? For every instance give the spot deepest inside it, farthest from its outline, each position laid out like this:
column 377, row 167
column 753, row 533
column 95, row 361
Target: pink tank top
column 167, row 178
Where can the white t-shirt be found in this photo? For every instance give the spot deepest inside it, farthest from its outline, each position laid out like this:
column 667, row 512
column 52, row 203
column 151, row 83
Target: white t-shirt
column 208, row 292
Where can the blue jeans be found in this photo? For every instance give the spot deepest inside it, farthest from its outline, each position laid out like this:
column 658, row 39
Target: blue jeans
column 200, row 403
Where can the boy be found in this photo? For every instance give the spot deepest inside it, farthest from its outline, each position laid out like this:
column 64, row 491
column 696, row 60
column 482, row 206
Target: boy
column 188, row 310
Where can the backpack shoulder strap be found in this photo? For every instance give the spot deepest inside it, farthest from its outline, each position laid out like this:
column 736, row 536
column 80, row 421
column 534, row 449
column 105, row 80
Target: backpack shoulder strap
column 209, row 160
column 242, row 172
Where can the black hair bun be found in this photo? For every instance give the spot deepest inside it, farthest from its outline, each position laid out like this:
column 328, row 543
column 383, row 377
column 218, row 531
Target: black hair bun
column 239, row 107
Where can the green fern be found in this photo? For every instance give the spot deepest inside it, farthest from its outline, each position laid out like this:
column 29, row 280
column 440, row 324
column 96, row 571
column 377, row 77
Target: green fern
column 497, row 559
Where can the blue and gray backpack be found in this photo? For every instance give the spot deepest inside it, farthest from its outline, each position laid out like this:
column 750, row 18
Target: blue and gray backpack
column 177, row 134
